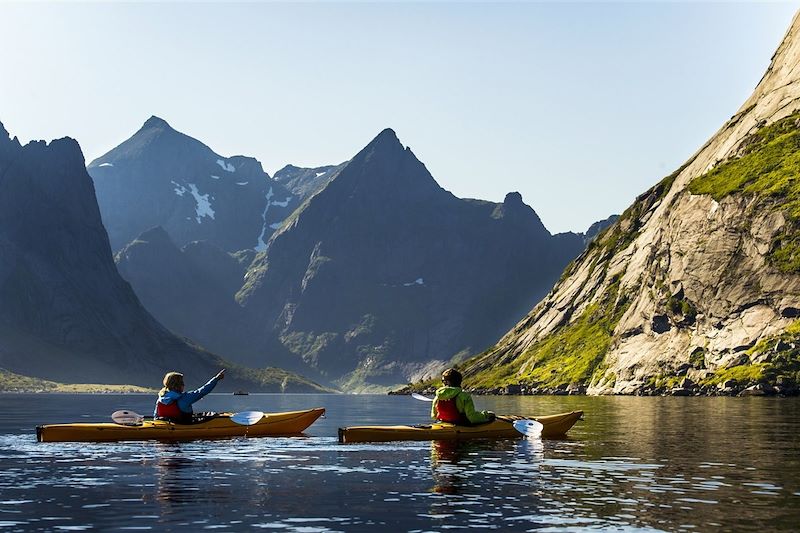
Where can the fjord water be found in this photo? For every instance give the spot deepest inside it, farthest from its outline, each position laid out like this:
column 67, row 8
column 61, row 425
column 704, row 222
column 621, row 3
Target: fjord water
column 634, row 464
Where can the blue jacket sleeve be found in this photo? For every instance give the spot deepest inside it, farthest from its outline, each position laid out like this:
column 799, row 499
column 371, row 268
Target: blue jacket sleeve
column 188, row 398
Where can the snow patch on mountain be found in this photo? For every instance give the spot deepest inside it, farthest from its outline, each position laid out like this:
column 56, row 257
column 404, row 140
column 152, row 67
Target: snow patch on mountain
column 262, row 245
column 318, row 174
column 227, row 167
column 418, row 281
column 242, row 182
column 214, row 177
column 203, row 206
column 179, row 189
column 106, row 165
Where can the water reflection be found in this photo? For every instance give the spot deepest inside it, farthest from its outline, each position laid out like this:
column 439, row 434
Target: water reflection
column 635, row 464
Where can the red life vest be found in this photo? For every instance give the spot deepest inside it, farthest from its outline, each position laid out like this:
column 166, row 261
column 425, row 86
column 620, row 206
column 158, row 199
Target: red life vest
column 171, row 410
column 447, row 411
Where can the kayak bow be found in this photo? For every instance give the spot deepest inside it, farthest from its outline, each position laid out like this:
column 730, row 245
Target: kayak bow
column 271, row 425
column 500, row 428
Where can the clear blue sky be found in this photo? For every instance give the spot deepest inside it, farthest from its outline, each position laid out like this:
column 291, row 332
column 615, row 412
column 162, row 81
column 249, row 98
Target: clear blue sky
column 580, row 107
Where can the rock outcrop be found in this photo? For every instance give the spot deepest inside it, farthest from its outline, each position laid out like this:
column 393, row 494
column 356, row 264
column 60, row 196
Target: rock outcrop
column 699, row 279
column 305, row 182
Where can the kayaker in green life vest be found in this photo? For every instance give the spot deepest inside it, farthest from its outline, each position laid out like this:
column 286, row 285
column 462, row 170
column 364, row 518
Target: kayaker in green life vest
column 453, row 404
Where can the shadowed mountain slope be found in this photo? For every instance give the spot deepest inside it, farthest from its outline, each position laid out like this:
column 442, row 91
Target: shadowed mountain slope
column 65, row 313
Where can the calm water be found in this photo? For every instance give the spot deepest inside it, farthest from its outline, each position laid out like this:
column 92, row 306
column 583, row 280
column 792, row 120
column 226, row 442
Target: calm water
column 634, row 464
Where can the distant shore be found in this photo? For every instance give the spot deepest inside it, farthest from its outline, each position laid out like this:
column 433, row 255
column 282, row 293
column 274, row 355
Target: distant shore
column 79, row 388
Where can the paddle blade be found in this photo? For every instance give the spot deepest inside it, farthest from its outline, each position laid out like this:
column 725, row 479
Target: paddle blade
column 247, row 418
column 530, row 428
column 421, row 397
column 127, row 418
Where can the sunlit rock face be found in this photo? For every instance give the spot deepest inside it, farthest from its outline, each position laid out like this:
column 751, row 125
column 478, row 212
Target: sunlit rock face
column 161, row 177
column 698, row 279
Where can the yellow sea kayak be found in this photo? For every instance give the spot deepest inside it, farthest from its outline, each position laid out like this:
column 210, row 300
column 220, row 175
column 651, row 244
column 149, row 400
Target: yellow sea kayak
column 500, row 428
column 271, row 425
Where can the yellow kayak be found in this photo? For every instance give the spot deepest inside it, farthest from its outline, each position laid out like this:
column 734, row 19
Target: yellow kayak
column 500, row 428
column 270, row 425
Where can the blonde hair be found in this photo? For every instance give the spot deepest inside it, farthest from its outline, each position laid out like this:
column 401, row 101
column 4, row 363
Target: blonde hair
column 172, row 381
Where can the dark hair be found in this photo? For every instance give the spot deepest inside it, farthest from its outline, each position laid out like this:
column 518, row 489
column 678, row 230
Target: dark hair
column 452, row 377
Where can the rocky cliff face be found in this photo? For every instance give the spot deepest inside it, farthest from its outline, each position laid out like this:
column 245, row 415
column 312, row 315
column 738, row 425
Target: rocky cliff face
column 305, row 182
column 697, row 283
column 161, row 177
column 382, row 274
column 65, row 313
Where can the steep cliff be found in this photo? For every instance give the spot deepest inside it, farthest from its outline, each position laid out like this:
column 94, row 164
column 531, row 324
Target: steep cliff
column 697, row 283
column 65, row 313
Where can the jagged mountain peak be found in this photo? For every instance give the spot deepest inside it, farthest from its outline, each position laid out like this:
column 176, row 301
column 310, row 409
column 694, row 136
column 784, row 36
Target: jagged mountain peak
column 513, row 199
column 7, row 143
column 155, row 122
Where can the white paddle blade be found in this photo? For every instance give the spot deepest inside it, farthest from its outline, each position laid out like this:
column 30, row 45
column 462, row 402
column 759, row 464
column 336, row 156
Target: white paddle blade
column 421, row 397
column 127, row 418
column 247, row 418
column 530, row 428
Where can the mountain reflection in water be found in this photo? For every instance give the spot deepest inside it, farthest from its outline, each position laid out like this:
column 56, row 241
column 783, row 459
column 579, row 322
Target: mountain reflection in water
column 635, row 464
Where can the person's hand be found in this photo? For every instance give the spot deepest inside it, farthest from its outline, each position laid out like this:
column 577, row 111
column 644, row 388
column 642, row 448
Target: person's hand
column 220, row 374
column 491, row 416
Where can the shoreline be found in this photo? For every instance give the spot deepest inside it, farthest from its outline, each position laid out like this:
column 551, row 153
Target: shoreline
column 728, row 390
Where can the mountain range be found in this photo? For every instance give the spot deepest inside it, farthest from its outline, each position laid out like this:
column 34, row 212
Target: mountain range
column 65, row 313
column 378, row 277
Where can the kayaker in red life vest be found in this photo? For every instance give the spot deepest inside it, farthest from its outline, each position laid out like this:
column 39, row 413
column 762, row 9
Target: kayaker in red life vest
column 453, row 404
column 176, row 405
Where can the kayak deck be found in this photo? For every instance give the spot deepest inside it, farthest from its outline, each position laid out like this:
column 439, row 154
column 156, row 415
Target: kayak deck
column 271, row 425
column 500, row 428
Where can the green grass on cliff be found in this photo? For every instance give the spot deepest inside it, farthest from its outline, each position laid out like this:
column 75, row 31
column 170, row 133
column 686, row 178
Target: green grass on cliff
column 783, row 361
column 769, row 170
column 571, row 355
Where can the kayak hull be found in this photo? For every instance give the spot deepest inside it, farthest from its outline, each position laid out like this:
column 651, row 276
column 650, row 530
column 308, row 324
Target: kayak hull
column 501, row 428
column 271, row 425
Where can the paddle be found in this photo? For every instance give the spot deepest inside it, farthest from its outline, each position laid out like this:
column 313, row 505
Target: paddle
column 421, row 397
column 247, row 418
column 530, row 428
column 129, row 418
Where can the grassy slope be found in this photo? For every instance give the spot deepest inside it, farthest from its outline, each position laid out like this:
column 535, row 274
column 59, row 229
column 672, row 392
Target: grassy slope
column 571, row 355
column 767, row 170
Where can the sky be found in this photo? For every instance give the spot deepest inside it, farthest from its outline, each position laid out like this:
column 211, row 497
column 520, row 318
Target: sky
column 580, row 107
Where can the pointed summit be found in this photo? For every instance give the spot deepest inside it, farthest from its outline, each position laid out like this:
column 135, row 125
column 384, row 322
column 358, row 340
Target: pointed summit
column 386, row 144
column 155, row 122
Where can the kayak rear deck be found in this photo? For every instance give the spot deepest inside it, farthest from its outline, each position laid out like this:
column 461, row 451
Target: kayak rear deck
column 500, row 428
column 271, row 425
